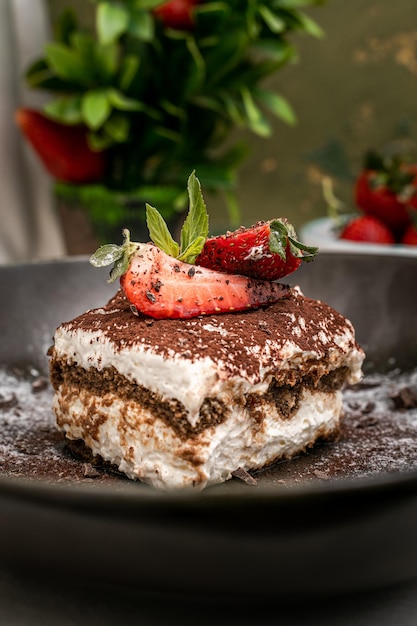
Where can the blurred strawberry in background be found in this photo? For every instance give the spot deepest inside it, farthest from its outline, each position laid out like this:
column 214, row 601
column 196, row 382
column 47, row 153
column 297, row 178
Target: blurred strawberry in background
column 177, row 14
column 385, row 192
column 387, row 189
column 410, row 235
column 367, row 228
column 63, row 149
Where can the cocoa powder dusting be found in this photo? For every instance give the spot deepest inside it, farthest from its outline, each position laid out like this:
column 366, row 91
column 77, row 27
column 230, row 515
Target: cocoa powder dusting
column 226, row 338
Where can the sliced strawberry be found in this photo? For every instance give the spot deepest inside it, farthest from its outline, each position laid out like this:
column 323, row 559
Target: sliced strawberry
column 369, row 229
column 63, row 149
column 160, row 286
column 266, row 250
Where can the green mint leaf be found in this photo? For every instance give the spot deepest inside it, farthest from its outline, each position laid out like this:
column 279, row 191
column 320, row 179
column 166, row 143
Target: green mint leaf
column 106, row 255
column 119, row 255
column 193, row 250
column 196, row 224
column 119, row 268
column 159, row 233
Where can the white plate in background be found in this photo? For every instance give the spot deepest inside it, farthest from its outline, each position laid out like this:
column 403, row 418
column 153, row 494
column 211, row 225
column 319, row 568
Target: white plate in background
column 320, row 232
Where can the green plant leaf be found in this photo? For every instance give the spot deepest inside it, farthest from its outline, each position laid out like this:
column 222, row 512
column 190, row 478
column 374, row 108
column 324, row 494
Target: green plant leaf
column 278, row 105
column 233, row 109
column 82, row 43
column 159, row 233
column 66, row 25
column 274, row 22
column 297, row 4
column 99, row 141
column 96, row 108
column 117, row 127
column 67, row 63
column 141, row 26
column 106, row 61
column 146, row 5
column 66, row 109
column 112, row 21
column 119, row 101
column 256, row 120
column 310, row 26
column 196, row 225
column 129, row 67
column 40, row 75
column 279, row 50
column 196, row 78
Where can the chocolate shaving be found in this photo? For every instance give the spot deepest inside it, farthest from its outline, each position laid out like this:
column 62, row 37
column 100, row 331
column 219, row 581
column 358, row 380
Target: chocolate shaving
column 8, row 403
column 321, row 475
column 244, row 476
column 89, row 471
column 405, row 398
column 40, row 384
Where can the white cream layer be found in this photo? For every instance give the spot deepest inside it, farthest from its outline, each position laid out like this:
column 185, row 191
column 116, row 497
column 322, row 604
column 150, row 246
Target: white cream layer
column 144, row 447
column 191, row 381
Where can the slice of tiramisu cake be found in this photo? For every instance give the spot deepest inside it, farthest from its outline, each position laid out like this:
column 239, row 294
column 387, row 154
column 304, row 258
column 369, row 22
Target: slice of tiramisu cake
column 202, row 364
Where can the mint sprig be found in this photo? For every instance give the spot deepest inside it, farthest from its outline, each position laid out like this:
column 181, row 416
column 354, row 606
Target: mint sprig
column 194, row 231
column 159, row 232
column 120, row 256
column 193, row 236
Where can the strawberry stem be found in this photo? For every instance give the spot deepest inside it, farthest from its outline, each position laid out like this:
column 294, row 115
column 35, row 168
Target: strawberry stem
column 281, row 233
column 120, row 256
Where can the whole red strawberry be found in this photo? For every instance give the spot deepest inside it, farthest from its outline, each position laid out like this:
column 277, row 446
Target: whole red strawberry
column 386, row 188
column 266, row 250
column 369, row 229
column 177, row 14
column 63, row 149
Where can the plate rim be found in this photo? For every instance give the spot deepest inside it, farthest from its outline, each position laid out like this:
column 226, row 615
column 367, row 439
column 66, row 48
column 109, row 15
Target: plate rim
column 135, row 492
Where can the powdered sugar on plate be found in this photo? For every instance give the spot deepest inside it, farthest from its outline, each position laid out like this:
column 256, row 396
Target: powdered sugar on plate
column 30, row 445
column 378, row 435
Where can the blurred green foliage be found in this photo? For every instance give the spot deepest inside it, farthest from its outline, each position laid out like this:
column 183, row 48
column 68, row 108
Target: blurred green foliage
column 162, row 101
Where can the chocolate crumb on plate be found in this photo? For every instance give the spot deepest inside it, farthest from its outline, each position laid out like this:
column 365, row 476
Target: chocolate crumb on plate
column 383, row 439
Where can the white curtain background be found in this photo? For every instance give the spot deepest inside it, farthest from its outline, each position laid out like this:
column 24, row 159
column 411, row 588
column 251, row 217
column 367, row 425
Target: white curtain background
column 29, row 225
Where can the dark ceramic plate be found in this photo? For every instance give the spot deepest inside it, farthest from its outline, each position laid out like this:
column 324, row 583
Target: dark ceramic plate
column 334, row 531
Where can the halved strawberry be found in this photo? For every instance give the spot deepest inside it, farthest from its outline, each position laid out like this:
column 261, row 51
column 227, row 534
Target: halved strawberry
column 266, row 250
column 63, row 149
column 161, row 286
